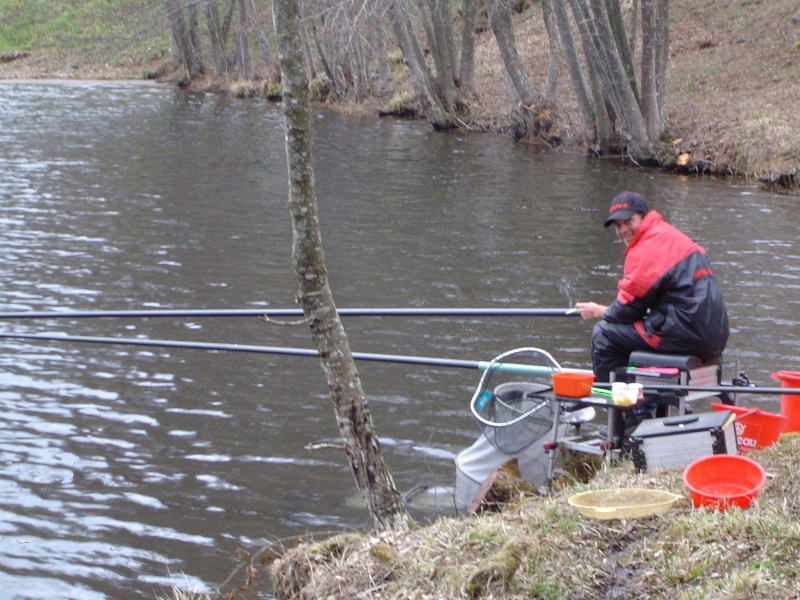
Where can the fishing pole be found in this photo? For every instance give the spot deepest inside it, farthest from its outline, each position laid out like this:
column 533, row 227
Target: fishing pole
column 293, row 312
column 522, row 369
column 289, row 351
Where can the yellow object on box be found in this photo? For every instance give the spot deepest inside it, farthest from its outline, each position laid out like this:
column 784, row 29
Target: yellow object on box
column 625, row 394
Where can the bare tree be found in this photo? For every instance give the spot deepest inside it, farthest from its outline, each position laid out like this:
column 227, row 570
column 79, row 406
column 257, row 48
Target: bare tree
column 465, row 77
column 422, row 79
column 216, row 38
column 503, row 29
column 311, row 68
column 184, row 36
column 382, row 60
column 617, row 112
column 337, row 29
column 353, row 413
column 580, row 86
column 327, row 66
column 554, row 61
column 660, row 42
column 439, row 21
column 243, row 61
column 443, row 87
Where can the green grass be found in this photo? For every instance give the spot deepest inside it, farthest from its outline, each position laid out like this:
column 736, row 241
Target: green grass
column 99, row 29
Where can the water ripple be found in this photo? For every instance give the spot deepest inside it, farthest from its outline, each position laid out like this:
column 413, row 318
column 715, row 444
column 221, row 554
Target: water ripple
column 120, row 467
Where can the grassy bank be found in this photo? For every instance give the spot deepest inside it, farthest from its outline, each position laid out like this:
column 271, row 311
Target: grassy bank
column 547, row 550
column 86, row 39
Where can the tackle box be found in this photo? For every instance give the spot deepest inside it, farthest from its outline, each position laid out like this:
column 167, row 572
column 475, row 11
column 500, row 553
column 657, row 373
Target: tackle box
column 669, row 442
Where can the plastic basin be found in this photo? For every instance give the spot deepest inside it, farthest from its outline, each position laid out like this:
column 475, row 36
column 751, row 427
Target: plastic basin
column 720, row 481
column 755, row 429
column 572, row 385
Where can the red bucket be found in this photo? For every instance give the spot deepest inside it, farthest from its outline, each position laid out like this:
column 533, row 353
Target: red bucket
column 755, row 429
column 790, row 404
column 720, row 481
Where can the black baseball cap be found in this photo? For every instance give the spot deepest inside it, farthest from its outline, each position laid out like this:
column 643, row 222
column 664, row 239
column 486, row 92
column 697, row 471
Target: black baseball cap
column 624, row 206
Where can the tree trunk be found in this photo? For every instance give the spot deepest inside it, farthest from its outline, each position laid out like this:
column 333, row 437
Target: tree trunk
column 648, row 69
column 194, row 38
column 662, row 59
column 323, row 55
column 617, row 26
column 227, row 20
column 264, row 54
column 597, row 59
column 640, row 145
column 465, row 75
column 215, row 39
column 608, row 75
column 632, row 29
column 606, row 139
column 183, row 39
column 382, row 60
column 353, row 414
column 625, row 99
column 554, row 61
column 442, row 44
column 421, row 77
column 503, row 29
column 311, row 68
column 242, row 43
column 572, row 59
column 358, row 71
column 597, row 73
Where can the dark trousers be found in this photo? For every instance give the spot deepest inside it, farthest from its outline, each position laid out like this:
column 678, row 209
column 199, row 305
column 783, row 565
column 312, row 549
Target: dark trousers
column 612, row 344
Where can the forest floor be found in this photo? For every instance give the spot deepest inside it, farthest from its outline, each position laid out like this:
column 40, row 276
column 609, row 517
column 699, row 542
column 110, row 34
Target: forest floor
column 733, row 85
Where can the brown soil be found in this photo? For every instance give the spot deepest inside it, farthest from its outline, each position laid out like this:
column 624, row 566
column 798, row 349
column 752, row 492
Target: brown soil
column 733, row 93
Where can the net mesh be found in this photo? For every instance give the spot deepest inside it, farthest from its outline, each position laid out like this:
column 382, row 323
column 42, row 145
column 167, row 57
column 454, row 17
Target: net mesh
column 515, row 409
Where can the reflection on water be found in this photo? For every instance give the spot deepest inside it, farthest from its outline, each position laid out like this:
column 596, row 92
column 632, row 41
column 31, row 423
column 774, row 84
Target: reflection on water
column 125, row 470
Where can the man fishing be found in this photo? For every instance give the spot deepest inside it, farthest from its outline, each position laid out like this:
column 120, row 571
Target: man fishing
column 668, row 299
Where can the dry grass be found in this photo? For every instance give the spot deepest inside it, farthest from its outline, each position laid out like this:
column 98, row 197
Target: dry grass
column 686, row 553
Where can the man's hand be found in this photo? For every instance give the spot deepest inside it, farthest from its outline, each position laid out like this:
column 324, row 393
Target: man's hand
column 590, row 310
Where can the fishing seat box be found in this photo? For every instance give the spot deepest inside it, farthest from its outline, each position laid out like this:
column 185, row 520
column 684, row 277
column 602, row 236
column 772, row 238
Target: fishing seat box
column 690, row 371
column 658, row 444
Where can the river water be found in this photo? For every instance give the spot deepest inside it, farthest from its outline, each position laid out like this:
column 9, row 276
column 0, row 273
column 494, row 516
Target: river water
column 125, row 470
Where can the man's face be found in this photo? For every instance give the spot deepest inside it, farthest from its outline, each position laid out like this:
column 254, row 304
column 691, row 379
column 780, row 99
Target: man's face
column 625, row 229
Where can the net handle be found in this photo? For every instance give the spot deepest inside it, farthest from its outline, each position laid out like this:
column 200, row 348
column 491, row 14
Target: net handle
column 496, row 364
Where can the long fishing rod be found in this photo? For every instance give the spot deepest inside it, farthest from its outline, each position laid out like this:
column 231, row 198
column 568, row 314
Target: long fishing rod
column 363, row 356
column 540, row 371
column 293, row 312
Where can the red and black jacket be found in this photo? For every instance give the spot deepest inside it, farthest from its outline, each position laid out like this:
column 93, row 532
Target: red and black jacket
column 669, row 292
